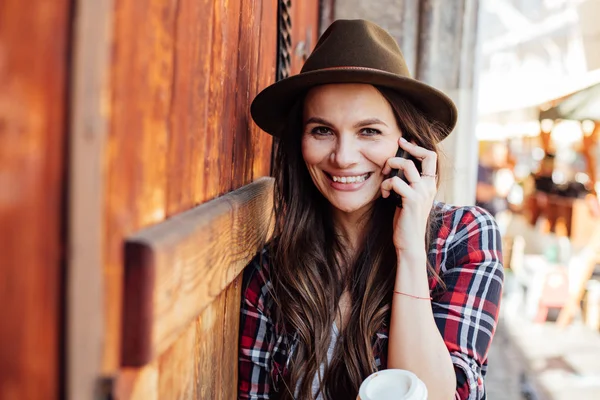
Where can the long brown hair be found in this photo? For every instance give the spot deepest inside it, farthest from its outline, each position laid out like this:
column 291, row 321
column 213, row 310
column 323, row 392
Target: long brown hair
column 311, row 268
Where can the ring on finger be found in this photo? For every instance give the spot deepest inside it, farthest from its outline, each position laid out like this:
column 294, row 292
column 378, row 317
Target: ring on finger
column 429, row 176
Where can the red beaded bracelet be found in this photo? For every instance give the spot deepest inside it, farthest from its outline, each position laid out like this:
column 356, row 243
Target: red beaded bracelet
column 414, row 297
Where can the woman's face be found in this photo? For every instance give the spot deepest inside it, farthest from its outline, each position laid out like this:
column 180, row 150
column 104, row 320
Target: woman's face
column 349, row 134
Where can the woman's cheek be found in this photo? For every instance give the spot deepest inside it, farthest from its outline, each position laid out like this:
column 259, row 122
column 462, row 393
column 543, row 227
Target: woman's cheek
column 314, row 151
column 380, row 152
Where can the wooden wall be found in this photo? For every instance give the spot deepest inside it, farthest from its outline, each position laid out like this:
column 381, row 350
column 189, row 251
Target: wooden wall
column 115, row 116
column 34, row 54
column 182, row 75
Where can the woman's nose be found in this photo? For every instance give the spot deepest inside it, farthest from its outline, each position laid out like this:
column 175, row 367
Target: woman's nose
column 346, row 153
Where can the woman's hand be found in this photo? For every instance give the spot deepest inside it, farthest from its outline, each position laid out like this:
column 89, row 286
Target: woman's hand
column 410, row 221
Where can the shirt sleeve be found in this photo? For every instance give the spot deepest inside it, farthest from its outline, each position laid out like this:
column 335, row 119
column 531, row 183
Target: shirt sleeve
column 466, row 312
column 256, row 335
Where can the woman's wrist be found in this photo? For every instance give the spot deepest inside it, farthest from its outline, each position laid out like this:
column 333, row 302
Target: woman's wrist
column 411, row 275
column 414, row 258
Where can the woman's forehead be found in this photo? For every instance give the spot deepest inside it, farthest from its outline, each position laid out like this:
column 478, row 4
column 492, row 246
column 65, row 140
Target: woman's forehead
column 348, row 100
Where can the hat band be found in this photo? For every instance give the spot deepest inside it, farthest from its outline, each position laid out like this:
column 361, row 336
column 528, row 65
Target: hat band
column 353, row 68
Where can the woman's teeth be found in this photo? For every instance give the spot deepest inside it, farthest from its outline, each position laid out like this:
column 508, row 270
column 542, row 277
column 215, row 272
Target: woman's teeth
column 350, row 179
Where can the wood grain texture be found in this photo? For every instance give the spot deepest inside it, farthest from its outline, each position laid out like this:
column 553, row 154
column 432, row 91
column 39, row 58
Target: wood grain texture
column 137, row 383
column 209, row 350
column 183, row 74
column 230, row 337
column 243, row 150
column 177, row 268
column 199, row 87
column 177, row 368
column 267, row 64
column 34, row 57
column 188, row 114
column 305, row 30
column 220, row 135
column 89, row 130
column 136, row 156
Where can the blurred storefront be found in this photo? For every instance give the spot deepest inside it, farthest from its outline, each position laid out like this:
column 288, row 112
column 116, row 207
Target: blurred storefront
column 538, row 130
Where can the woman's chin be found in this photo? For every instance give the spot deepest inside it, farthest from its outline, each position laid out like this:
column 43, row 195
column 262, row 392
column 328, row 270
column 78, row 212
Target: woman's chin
column 349, row 208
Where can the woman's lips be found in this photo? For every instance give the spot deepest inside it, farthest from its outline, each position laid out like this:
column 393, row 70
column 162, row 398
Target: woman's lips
column 348, row 183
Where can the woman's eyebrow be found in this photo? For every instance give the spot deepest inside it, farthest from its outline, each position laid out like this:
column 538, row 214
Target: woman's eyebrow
column 318, row 120
column 370, row 121
column 359, row 124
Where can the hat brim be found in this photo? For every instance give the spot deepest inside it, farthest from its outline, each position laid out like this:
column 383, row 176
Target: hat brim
column 271, row 106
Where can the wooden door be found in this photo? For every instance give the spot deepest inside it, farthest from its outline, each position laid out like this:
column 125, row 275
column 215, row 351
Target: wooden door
column 117, row 120
column 171, row 84
column 183, row 74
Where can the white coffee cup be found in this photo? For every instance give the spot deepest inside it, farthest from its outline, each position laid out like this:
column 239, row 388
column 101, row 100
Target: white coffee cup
column 392, row 384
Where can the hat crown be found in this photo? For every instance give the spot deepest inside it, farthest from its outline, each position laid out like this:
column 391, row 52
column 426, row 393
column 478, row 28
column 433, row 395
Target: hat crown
column 357, row 44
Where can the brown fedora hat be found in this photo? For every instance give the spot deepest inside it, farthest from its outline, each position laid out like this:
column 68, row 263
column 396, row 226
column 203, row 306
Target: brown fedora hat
column 351, row 51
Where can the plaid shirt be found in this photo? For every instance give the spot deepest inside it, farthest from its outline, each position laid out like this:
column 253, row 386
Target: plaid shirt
column 467, row 255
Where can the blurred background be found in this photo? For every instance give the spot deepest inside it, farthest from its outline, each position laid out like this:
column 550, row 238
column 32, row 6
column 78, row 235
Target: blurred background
column 129, row 166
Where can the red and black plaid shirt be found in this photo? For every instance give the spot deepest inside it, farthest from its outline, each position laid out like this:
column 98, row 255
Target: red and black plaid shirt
column 467, row 255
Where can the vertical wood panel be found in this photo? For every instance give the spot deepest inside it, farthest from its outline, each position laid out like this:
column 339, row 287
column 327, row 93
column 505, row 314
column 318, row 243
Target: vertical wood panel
column 200, row 86
column 305, row 25
column 179, row 190
column 177, row 371
column 188, row 114
column 246, row 90
column 261, row 165
column 34, row 44
column 219, row 137
column 186, row 170
column 89, row 127
column 142, row 77
column 209, row 348
column 231, row 324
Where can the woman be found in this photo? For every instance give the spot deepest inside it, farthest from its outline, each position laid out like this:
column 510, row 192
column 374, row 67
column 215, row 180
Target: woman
column 351, row 282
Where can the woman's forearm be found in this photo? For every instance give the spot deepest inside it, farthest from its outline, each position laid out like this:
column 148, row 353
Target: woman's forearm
column 415, row 343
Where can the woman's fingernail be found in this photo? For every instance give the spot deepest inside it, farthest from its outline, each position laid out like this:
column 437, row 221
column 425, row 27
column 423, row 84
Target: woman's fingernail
column 403, row 140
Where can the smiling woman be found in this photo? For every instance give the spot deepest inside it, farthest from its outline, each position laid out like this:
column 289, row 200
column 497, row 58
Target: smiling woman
column 352, row 283
column 349, row 133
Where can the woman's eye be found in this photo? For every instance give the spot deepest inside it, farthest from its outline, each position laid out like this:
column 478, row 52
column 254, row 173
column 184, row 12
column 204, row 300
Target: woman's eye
column 370, row 132
column 321, row 130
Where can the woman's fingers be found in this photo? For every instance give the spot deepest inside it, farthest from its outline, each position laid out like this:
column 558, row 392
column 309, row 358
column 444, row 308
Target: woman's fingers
column 397, row 185
column 407, row 166
column 428, row 158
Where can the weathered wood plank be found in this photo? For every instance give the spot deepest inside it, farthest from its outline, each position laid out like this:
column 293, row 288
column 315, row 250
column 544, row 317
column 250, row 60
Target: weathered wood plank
column 267, row 64
column 200, row 95
column 185, row 188
column 176, row 268
column 89, row 130
column 305, row 29
column 209, row 350
column 220, row 134
column 179, row 157
column 243, row 150
column 177, row 368
column 142, row 75
column 217, row 346
column 34, row 57
column 230, row 337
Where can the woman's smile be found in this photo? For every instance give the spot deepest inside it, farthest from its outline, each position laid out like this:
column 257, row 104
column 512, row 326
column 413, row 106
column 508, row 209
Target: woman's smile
column 347, row 181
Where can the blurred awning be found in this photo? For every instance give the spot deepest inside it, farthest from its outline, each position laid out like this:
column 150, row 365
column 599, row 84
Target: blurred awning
column 517, row 115
column 579, row 106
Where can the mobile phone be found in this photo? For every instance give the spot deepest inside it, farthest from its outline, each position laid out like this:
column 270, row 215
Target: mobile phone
column 395, row 197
